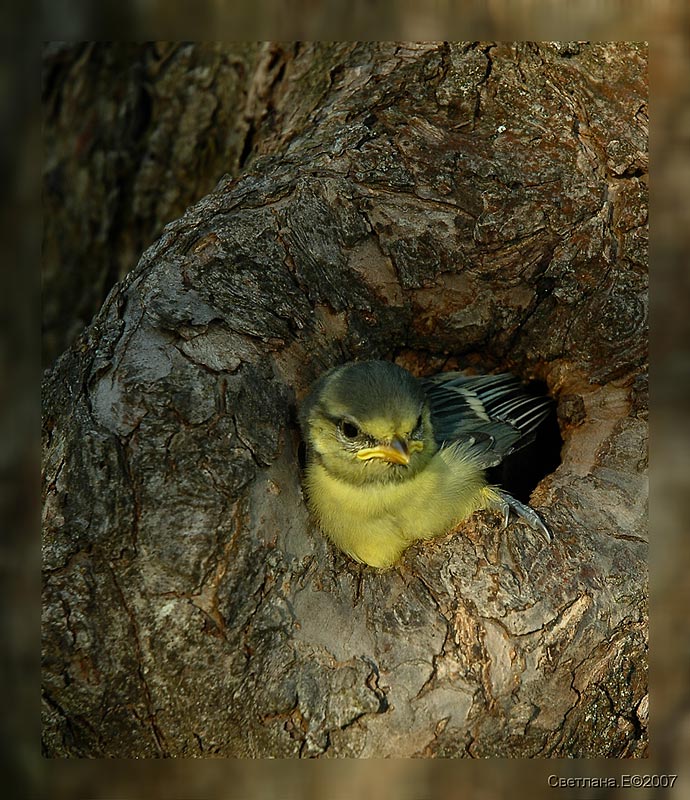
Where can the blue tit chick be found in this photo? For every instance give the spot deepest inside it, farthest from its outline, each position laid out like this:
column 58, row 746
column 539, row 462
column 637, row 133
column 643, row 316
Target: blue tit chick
column 393, row 459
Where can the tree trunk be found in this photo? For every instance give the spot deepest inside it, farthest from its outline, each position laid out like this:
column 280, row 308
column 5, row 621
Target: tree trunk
column 133, row 135
column 466, row 204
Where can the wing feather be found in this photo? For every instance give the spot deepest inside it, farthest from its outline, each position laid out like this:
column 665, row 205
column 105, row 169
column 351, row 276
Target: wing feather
column 493, row 415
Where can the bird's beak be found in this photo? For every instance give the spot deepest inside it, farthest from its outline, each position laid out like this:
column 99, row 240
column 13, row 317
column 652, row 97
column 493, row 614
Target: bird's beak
column 397, row 452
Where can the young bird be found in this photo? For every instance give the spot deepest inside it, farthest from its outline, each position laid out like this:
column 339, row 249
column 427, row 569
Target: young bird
column 392, row 459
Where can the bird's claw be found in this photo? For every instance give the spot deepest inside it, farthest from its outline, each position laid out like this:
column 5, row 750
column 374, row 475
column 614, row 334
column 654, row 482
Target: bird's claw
column 508, row 503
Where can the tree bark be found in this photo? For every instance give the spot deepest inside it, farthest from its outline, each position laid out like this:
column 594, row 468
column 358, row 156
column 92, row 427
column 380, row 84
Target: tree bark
column 133, row 135
column 472, row 204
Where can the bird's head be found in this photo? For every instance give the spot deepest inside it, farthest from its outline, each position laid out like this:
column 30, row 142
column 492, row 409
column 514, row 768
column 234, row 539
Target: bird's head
column 369, row 422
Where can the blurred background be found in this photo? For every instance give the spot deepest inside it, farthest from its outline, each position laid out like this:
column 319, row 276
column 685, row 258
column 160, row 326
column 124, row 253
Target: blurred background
column 666, row 25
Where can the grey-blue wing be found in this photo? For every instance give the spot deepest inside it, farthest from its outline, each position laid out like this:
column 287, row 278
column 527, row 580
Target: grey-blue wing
column 492, row 414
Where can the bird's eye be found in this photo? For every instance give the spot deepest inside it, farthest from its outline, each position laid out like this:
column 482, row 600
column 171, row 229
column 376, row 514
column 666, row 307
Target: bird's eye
column 349, row 429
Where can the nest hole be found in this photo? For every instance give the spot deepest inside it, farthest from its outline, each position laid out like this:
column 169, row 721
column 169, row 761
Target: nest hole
column 521, row 471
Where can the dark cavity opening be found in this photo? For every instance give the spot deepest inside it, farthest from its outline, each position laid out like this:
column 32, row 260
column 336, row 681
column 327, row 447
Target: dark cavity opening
column 520, row 472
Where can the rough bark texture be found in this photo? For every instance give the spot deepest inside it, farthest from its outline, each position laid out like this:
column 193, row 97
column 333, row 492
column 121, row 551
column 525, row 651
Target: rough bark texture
column 479, row 204
column 134, row 134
